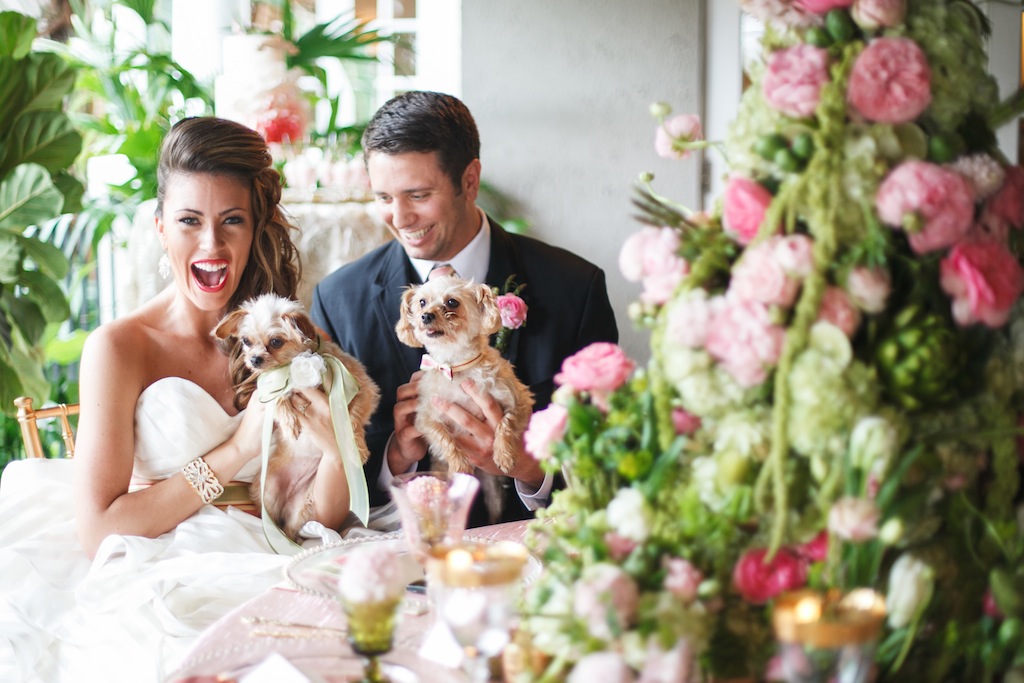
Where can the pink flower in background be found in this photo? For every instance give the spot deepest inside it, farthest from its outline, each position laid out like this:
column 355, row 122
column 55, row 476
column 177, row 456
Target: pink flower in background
column 873, row 14
column 759, row 582
column 602, row 366
column 816, row 549
column 934, row 204
column 989, row 606
column 836, row 308
column 684, row 127
column 795, row 253
column 985, row 280
column 619, row 546
column 854, row 519
column 605, row 593
column 513, row 311
column 1007, row 205
column 601, row 667
column 822, row 6
column 759, row 276
column 794, row 78
column 744, row 340
column 689, row 318
column 651, row 256
column 890, row 81
column 869, row 288
column 780, row 13
column 745, row 203
column 681, row 578
column 546, row 427
column 684, row 422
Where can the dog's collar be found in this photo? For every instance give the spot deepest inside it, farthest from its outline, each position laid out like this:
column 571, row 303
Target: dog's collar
column 428, row 363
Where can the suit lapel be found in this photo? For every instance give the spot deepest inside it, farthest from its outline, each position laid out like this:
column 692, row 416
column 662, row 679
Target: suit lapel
column 390, row 281
column 504, row 262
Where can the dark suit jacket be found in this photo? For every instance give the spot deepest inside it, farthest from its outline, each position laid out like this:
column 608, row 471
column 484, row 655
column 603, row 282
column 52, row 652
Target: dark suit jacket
column 358, row 306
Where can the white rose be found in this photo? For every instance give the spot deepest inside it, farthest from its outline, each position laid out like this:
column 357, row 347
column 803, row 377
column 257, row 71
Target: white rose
column 911, row 582
column 307, row 370
column 629, row 515
column 674, row 666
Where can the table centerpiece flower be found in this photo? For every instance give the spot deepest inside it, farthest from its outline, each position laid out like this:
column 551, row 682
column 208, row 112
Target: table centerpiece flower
column 836, row 378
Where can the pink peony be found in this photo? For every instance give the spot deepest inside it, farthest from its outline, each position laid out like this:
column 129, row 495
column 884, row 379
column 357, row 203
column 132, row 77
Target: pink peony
column 875, row 14
column 745, row 341
column 606, row 598
column 689, row 318
column 513, row 311
column 745, row 204
column 619, row 546
column 684, row 422
column 869, row 288
column 681, row 578
column 933, row 204
column 984, row 279
column 684, row 127
column 794, row 78
column 837, row 309
column 546, row 427
column 602, row 366
column 758, row 582
column 854, row 519
column 795, row 253
column 1007, row 205
column 816, row 549
column 651, row 255
column 890, row 81
column 822, row 6
column 759, row 276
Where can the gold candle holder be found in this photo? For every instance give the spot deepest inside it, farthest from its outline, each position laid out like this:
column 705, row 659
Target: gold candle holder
column 828, row 636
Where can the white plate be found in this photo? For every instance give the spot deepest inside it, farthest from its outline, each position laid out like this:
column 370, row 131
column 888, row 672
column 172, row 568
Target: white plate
column 317, row 570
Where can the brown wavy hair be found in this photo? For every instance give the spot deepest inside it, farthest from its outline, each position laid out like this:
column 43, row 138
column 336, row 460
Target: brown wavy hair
column 216, row 146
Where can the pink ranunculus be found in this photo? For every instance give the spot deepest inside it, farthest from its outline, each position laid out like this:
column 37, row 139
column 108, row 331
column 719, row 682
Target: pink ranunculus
column 602, row 366
column 513, row 311
column 1006, row 206
column 685, row 127
column 934, row 204
column 758, row 582
column 890, row 81
column 816, row 549
column 684, row 423
column 546, row 427
column 744, row 205
column 681, row 578
column 759, row 276
column 644, row 252
column 689, row 318
column 605, row 593
column 875, row 14
column 854, row 519
column 985, row 280
column 619, row 546
column 822, row 6
column 837, row 309
column 869, row 288
column 795, row 253
column 745, row 341
column 794, row 78
column 661, row 285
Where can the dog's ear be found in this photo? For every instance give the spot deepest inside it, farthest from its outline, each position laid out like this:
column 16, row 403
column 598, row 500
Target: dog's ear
column 229, row 324
column 490, row 315
column 404, row 329
column 304, row 324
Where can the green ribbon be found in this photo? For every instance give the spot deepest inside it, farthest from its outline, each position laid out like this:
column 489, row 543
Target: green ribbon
column 341, row 387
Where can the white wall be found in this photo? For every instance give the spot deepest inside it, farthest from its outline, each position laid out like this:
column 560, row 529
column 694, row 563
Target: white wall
column 560, row 91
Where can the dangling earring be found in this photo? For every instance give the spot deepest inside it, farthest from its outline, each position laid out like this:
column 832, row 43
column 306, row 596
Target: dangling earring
column 164, row 266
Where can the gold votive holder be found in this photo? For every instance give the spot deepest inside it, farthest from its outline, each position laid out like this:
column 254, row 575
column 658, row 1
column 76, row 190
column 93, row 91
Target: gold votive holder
column 828, row 636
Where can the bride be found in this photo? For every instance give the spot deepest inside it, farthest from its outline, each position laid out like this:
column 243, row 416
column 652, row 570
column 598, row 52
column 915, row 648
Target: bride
column 111, row 564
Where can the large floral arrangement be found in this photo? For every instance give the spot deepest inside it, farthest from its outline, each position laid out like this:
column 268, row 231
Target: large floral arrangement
column 836, row 375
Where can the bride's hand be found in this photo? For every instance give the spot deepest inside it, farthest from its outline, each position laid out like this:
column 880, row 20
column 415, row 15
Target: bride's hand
column 315, row 418
column 247, row 439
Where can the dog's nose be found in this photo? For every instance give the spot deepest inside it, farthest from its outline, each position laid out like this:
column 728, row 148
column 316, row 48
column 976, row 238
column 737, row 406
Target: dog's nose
column 256, row 361
column 427, row 318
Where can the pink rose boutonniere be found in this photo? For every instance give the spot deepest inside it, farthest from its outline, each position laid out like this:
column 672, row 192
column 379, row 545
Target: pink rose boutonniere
column 512, row 309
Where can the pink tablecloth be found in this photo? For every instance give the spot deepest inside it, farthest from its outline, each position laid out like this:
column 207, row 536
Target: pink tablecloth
column 246, row 636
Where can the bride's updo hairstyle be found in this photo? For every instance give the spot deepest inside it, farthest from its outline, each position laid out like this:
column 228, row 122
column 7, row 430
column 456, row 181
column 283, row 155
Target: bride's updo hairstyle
column 221, row 147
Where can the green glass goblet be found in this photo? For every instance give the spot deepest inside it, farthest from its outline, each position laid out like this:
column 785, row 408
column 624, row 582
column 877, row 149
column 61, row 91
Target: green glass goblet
column 371, row 629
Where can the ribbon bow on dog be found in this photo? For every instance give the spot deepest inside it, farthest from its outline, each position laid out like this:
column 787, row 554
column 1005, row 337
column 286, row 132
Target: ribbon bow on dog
column 341, row 387
column 428, row 363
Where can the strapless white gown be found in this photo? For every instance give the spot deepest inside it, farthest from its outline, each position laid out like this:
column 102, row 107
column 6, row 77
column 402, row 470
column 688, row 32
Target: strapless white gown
column 131, row 614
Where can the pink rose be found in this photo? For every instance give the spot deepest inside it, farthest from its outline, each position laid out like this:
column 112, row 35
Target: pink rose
column 890, row 81
column 689, row 318
column 837, row 309
column 685, row 128
column 546, row 427
column 822, row 6
column 606, row 598
column 758, row 582
column 745, row 341
column 989, row 606
column 684, row 423
column 682, row 579
column 513, row 311
column 874, row 14
column 869, row 288
column 933, row 204
column 1007, row 205
column 601, row 667
column 984, row 280
column 651, row 255
column 619, row 546
column 795, row 253
column 816, row 549
column 602, row 366
column 759, row 276
column 794, row 78
column 745, row 204
column 854, row 519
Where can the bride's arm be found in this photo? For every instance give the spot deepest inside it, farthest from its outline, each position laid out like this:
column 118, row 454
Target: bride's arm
column 111, row 381
column 331, row 498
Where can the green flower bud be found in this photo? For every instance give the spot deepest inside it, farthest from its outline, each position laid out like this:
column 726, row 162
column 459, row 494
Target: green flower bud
column 891, row 532
column 660, row 110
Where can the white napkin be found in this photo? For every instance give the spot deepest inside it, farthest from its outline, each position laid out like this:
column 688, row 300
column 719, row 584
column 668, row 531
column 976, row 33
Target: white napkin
column 439, row 645
column 275, row 669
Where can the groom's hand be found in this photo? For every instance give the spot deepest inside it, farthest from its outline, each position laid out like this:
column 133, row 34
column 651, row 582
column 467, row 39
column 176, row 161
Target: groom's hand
column 408, row 446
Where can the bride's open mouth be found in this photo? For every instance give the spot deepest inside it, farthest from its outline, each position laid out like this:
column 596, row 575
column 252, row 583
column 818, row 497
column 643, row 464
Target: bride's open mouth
column 210, row 275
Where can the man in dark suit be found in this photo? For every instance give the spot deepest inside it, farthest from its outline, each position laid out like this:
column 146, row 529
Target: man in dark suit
column 422, row 153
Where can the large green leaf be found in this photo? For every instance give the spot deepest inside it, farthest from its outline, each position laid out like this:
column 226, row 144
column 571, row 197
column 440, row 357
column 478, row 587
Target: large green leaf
column 47, row 294
column 39, row 82
column 46, row 138
column 72, row 189
column 29, row 375
column 49, row 258
column 10, row 386
column 17, row 32
column 28, row 197
column 11, row 257
column 28, row 317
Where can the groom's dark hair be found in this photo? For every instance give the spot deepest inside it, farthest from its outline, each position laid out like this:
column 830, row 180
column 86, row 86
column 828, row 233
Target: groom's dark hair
column 423, row 121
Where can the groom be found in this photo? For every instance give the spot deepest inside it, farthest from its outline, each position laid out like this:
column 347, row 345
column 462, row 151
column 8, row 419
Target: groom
column 422, row 154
